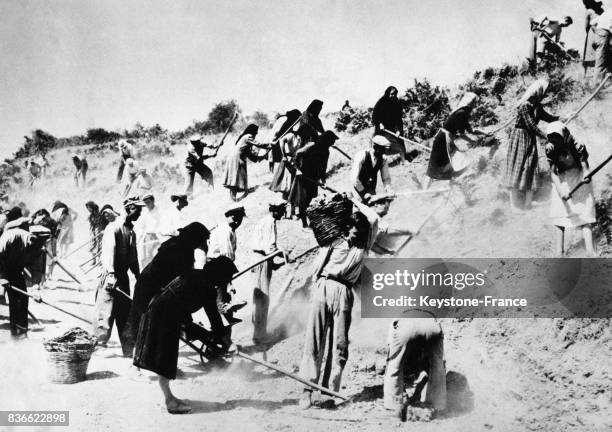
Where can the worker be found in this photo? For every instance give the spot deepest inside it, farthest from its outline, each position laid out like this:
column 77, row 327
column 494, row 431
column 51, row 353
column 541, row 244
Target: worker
column 97, row 223
column 119, row 255
column 568, row 164
column 264, row 243
column 175, row 257
column 280, row 128
column 336, row 270
column 143, row 183
column 18, row 248
column 310, row 118
column 367, row 165
column 415, row 345
column 194, row 162
column 602, row 29
column 223, row 238
column 388, row 115
column 126, row 151
column 147, row 229
column 157, row 344
column 173, row 218
column 551, row 28
column 236, row 175
column 311, row 170
column 80, row 169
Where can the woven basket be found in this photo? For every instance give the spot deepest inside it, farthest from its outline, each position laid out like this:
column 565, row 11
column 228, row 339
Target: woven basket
column 67, row 363
column 329, row 218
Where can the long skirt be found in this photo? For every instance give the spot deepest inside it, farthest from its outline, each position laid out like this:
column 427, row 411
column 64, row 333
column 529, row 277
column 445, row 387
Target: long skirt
column 440, row 167
column 302, row 192
column 236, row 174
column 157, row 344
column 581, row 211
column 601, row 44
column 521, row 161
column 283, row 178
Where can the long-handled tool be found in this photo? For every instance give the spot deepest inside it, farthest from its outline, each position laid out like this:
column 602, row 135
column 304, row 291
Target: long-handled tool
column 587, row 178
column 293, row 376
column 555, row 43
column 289, row 129
column 63, row 267
column 409, row 141
column 227, row 131
column 39, row 299
column 584, row 51
column 93, row 258
column 589, row 99
column 342, row 152
column 261, row 261
column 83, row 245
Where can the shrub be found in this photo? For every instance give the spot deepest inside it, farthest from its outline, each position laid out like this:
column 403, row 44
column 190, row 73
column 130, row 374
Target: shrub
column 40, row 143
column 100, row 135
column 220, row 117
column 425, row 109
column 353, row 120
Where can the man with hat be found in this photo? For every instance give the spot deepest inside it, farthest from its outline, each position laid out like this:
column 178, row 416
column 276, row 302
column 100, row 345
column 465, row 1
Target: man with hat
column 119, row 255
column 18, row 248
column 194, row 162
column 126, row 151
column 368, row 163
column 223, row 243
column 147, row 230
column 173, row 219
column 264, row 243
column 223, row 237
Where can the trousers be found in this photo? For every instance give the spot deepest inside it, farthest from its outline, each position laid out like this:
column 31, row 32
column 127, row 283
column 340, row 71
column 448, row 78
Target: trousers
column 113, row 308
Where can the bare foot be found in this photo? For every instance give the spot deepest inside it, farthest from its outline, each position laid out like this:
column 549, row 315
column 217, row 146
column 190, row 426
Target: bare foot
column 177, row 406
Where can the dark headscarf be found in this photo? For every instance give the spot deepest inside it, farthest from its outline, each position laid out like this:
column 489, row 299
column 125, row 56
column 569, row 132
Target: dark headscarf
column 219, row 270
column 387, row 111
column 594, row 5
column 251, row 129
column 305, row 133
column 310, row 117
column 14, row 213
column 58, row 205
column 292, row 117
column 193, row 234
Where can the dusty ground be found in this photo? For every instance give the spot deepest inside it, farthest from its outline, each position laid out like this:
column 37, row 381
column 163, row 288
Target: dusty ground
column 527, row 374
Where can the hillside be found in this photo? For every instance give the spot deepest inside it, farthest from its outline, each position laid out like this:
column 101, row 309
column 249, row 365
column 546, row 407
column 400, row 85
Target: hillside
column 537, row 374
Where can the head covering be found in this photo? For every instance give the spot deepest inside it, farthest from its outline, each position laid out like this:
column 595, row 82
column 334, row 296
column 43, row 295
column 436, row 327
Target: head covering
column 196, row 138
column 594, row 5
column 40, row 232
column 92, row 205
column 58, row 205
column 468, row 100
column 219, row 269
column 315, row 106
column 558, row 128
column 178, row 197
column 535, row 92
column 277, row 205
column 236, row 210
column 20, row 222
column 251, row 129
column 194, row 233
column 108, row 208
column 304, row 132
column 14, row 213
column 387, row 93
column 148, row 195
column 381, row 141
column 133, row 201
column 328, row 138
column 291, row 117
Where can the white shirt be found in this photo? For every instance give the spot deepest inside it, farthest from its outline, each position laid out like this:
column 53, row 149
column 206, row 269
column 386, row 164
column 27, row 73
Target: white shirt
column 222, row 242
column 173, row 220
column 149, row 222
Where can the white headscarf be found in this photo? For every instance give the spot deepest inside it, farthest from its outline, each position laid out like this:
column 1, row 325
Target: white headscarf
column 535, row 92
column 557, row 127
column 467, row 100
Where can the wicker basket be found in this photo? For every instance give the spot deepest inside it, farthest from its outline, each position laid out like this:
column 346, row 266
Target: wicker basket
column 329, row 217
column 67, row 363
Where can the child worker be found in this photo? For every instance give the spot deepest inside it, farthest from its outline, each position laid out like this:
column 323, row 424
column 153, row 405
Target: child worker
column 568, row 162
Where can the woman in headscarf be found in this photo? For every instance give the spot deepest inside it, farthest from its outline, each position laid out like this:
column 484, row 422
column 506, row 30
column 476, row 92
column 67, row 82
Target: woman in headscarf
column 310, row 118
column 568, row 163
column 97, row 224
column 457, row 125
column 157, row 345
column 311, row 161
column 522, row 157
column 285, row 171
column 282, row 124
column 387, row 114
column 236, row 179
column 174, row 258
column 64, row 216
column 108, row 214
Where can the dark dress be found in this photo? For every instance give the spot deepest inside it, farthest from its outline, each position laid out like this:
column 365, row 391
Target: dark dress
column 173, row 258
column 440, row 167
column 157, row 344
column 387, row 111
column 312, row 162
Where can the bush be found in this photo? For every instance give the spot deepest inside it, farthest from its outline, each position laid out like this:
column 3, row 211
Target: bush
column 40, row 143
column 353, row 120
column 100, row 135
column 220, row 116
column 425, row 109
column 259, row 118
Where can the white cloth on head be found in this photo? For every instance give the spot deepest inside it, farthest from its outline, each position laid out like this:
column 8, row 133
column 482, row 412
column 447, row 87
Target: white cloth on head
column 535, row 92
column 222, row 242
column 172, row 221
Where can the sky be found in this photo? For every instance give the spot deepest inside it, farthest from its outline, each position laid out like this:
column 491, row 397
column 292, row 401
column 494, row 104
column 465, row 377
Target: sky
column 67, row 66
